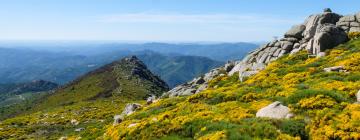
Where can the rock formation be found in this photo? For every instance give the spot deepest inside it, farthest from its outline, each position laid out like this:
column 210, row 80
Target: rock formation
column 200, row 83
column 318, row 33
column 350, row 23
column 275, row 110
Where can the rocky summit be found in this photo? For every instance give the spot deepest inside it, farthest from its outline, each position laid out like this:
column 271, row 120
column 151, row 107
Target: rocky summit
column 318, row 33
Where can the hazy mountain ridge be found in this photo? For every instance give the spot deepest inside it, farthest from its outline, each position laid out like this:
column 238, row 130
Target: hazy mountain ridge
column 62, row 66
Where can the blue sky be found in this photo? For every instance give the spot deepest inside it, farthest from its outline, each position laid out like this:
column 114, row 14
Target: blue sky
column 158, row 20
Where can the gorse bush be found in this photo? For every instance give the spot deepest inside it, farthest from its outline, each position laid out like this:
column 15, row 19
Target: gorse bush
column 354, row 35
column 307, row 93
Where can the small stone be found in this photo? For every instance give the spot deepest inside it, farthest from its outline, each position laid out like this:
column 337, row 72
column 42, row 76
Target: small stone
column 63, row 138
column 74, row 122
column 289, row 116
column 79, row 129
column 118, row 119
column 321, row 54
column 151, row 99
column 358, row 96
column 334, row 69
column 132, row 125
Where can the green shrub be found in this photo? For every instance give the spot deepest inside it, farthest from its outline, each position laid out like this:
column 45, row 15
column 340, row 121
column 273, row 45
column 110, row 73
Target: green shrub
column 353, row 77
column 294, row 128
column 302, row 94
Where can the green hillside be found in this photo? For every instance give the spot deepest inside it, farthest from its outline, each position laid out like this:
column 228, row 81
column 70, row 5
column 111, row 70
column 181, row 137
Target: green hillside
column 323, row 104
column 91, row 100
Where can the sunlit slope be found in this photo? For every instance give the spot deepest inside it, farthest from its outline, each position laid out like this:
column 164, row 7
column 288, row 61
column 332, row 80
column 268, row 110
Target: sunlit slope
column 127, row 79
column 323, row 104
column 87, row 104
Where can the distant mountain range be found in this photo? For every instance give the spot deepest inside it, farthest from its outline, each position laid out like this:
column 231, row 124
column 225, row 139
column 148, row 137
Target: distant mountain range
column 175, row 63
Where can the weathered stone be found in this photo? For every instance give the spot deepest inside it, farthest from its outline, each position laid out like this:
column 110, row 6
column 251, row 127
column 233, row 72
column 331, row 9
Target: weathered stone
column 286, row 45
column 334, row 69
column 321, row 54
column 267, row 59
column 277, row 44
column 79, row 129
column 212, row 74
column 345, row 28
column 198, row 81
column 282, row 52
column 275, row 110
column 63, row 138
column 151, row 99
column 358, row 96
column 295, row 51
column 354, row 24
column 74, row 122
column 118, row 119
column 314, row 21
column 354, row 29
column 296, row 45
column 272, row 51
column 296, row 31
column 229, row 66
column 347, row 24
column 358, row 17
column 289, row 116
column 277, row 52
column 348, row 18
column 130, row 108
column 258, row 66
column 272, row 43
column 202, row 88
column 245, row 74
column 327, row 37
column 263, row 58
column 132, row 125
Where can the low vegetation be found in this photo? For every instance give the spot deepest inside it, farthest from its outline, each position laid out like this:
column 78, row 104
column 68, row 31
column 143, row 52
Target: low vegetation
column 323, row 104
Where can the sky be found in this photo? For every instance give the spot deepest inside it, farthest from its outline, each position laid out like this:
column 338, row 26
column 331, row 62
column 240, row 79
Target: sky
column 159, row 20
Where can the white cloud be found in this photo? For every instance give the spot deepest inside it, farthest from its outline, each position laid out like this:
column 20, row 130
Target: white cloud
column 193, row 18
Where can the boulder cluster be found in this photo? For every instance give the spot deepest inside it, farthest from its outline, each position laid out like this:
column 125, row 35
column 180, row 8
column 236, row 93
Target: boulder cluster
column 200, row 83
column 350, row 23
column 318, row 33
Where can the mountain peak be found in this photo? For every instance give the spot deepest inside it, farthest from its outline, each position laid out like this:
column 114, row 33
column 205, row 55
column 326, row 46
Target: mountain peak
column 125, row 79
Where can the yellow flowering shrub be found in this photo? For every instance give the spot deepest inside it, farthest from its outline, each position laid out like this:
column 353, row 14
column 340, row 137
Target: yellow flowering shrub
column 331, row 125
column 354, row 35
column 219, row 135
column 317, row 102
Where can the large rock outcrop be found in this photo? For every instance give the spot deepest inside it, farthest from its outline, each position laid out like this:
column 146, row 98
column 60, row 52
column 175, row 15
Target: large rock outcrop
column 350, row 23
column 318, row 33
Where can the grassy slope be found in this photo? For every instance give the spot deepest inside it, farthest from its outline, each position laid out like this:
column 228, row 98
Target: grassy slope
column 92, row 100
column 323, row 104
